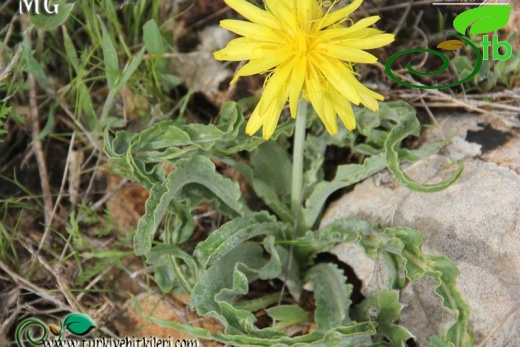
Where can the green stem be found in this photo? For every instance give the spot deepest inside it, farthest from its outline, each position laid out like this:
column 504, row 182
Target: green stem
column 297, row 170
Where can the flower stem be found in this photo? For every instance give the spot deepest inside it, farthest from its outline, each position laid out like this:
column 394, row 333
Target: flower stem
column 297, row 170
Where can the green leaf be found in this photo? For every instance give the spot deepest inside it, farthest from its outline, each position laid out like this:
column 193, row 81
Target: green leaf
column 263, row 190
column 345, row 176
column 70, row 50
column 46, row 21
column 85, row 101
column 483, row 19
column 227, row 279
column 169, row 81
column 332, row 295
column 165, row 257
column 152, row 38
column 182, row 223
column 132, row 154
column 78, row 323
column 195, row 171
column 49, row 125
column 33, row 66
column 109, row 57
column 271, row 164
column 230, row 235
column 446, row 273
column 341, row 230
column 384, row 307
column 128, row 70
column 411, row 126
column 287, row 315
column 164, row 274
column 403, row 249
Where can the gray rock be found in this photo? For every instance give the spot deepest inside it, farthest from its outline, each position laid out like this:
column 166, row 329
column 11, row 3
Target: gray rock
column 475, row 222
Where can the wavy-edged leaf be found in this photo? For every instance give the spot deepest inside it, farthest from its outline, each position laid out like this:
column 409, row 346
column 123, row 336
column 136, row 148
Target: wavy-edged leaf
column 229, row 278
column 484, row 19
column 243, row 142
column 351, row 335
column 134, row 155
column 411, row 126
column 262, row 189
column 198, row 171
column 230, row 235
column 78, row 323
column 346, row 176
column 331, row 294
column 403, row 245
column 384, row 307
column 338, row 231
column 446, row 273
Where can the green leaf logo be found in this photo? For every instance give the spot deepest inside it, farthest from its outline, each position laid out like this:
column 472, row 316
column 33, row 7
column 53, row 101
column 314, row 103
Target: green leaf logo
column 78, row 323
column 483, row 19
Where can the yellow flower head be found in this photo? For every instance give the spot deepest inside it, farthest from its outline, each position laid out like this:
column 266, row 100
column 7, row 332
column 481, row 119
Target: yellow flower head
column 307, row 51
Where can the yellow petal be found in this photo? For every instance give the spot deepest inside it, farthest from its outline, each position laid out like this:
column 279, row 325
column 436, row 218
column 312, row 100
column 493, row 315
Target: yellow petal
column 307, row 12
column 344, row 109
column 346, row 53
column 267, row 112
column 334, row 33
column 369, row 101
column 339, row 76
column 329, row 114
column 276, row 85
column 284, row 13
column 255, row 122
column 265, row 63
column 315, row 92
column 251, row 30
column 339, row 15
column 371, row 42
column 273, row 114
column 296, row 83
column 253, row 13
column 237, row 52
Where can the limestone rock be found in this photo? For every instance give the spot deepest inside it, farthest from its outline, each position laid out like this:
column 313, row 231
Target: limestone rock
column 475, row 222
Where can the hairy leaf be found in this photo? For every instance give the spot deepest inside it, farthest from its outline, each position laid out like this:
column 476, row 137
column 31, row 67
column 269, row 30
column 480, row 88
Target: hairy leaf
column 278, row 176
column 197, row 170
column 407, row 127
column 332, row 296
column 384, row 307
column 230, row 235
column 346, row 176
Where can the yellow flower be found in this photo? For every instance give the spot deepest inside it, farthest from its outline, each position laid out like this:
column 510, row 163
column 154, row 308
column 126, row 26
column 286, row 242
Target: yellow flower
column 308, row 51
